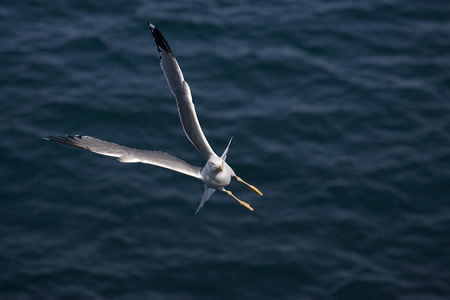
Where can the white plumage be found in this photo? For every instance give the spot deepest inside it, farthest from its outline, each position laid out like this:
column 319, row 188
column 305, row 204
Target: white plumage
column 216, row 174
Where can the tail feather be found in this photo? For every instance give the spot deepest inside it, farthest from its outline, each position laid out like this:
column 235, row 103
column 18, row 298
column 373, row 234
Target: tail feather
column 208, row 192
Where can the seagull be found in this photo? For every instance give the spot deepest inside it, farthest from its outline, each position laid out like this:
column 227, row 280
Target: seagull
column 216, row 174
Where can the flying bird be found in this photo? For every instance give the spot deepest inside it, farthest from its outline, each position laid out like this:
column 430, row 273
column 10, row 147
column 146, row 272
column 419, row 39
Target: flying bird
column 216, row 174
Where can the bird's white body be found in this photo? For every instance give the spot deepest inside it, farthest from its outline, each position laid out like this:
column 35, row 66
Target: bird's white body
column 215, row 178
column 216, row 174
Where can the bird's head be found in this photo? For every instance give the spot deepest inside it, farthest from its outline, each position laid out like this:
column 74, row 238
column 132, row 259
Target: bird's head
column 216, row 163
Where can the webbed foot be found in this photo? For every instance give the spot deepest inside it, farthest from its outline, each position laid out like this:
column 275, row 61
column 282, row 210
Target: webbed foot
column 240, row 201
column 254, row 189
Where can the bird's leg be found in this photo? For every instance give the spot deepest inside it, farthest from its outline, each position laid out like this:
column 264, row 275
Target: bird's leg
column 254, row 189
column 240, row 201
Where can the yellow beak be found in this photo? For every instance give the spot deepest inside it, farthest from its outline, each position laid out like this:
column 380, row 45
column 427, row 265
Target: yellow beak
column 220, row 168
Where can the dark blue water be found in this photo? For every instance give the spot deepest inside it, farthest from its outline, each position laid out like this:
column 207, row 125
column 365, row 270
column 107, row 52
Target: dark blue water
column 340, row 113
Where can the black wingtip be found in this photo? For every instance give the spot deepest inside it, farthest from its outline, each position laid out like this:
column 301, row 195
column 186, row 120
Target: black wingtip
column 160, row 41
column 67, row 140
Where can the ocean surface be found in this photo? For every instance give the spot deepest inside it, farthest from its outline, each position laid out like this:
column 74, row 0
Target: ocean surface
column 339, row 112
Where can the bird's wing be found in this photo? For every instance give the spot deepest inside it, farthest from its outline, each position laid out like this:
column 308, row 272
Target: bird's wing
column 182, row 93
column 224, row 155
column 128, row 155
